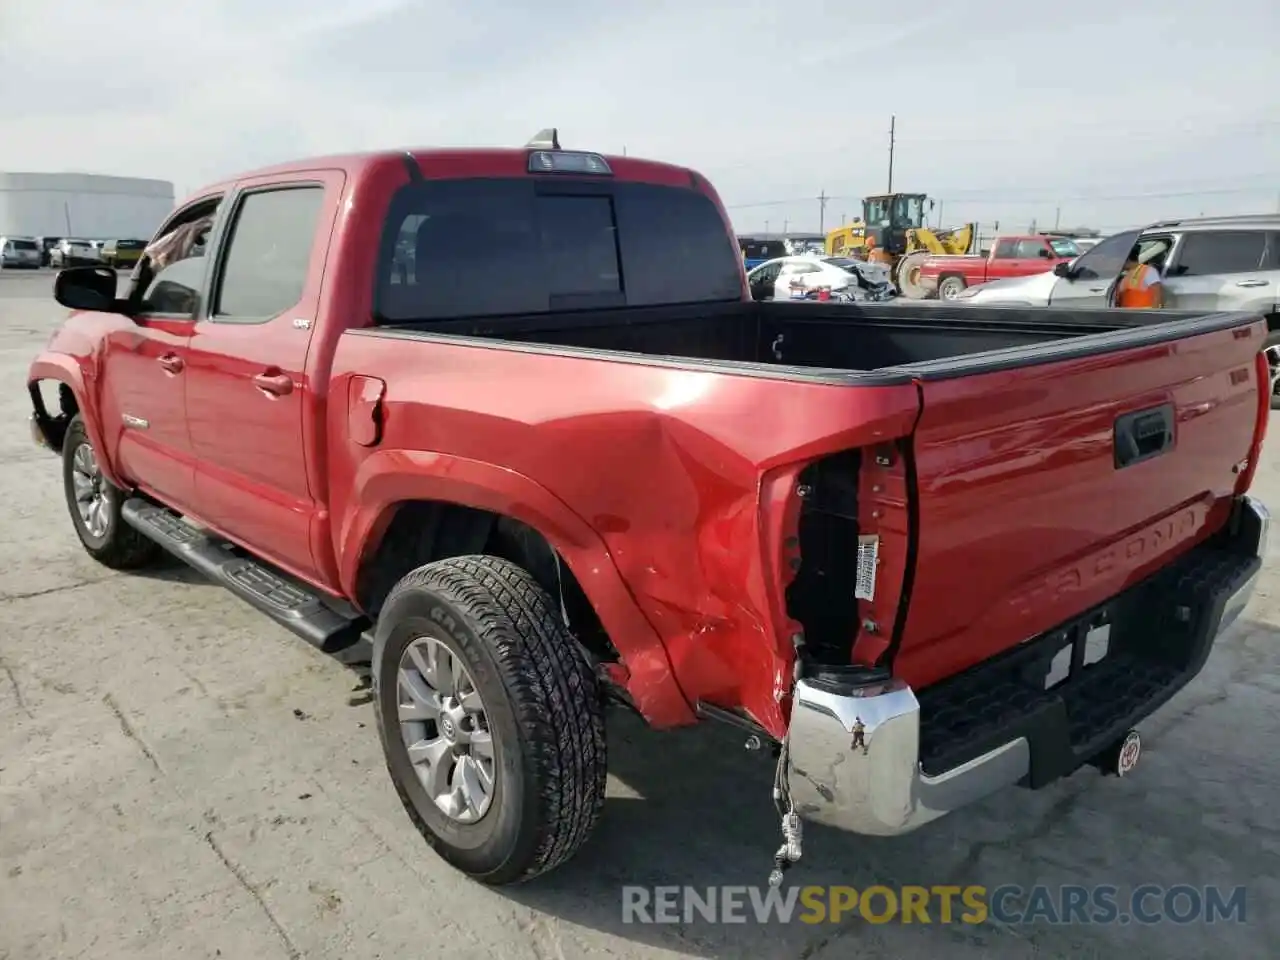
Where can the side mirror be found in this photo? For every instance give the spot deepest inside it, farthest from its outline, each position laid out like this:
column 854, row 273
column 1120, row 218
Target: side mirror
column 1044, row 252
column 86, row 288
column 1063, row 270
column 760, row 290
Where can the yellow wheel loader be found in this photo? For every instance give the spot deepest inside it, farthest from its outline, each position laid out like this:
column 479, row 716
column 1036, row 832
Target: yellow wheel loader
column 895, row 234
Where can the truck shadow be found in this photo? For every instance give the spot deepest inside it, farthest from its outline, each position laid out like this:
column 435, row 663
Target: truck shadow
column 693, row 808
column 170, row 569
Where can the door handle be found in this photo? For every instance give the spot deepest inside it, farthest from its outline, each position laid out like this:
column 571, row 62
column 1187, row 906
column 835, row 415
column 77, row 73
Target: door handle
column 274, row 384
column 1142, row 435
column 1097, row 289
column 171, row 362
column 1251, row 283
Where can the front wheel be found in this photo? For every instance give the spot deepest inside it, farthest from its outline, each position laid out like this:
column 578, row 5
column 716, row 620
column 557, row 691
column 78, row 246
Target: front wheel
column 908, row 275
column 490, row 718
column 94, row 503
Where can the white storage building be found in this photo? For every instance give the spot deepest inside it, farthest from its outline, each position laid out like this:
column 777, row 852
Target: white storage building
column 82, row 205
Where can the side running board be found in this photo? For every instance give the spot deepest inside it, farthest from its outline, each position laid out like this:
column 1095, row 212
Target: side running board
column 297, row 607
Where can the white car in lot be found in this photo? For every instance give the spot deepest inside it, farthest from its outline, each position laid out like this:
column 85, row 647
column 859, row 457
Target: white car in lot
column 792, row 278
column 73, row 253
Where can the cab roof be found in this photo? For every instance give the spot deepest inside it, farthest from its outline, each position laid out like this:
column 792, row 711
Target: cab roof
column 455, row 162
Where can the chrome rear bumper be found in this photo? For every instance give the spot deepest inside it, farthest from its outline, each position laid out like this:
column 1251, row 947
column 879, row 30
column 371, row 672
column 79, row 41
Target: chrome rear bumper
column 853, row 751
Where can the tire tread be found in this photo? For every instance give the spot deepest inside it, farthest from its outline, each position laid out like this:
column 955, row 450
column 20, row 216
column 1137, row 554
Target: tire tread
column 552, row 688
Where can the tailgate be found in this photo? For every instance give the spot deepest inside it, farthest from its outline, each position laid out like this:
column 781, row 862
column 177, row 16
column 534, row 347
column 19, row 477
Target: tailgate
column 1047, row 487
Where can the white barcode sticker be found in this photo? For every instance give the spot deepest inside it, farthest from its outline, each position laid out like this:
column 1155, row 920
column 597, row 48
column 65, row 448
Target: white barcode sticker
column 868, row 557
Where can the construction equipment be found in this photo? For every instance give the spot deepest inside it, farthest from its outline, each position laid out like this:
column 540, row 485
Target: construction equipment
column 894, row 232
column 845, row 239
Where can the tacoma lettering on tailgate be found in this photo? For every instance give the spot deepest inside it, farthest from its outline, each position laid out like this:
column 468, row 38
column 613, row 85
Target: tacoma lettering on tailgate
column 1113, row 563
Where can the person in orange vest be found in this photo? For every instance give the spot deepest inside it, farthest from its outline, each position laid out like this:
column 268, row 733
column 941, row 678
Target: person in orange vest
column 1140, row 285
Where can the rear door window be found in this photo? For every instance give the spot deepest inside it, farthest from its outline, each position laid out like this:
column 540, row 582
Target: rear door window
column 1225, row 251
column 476, row 248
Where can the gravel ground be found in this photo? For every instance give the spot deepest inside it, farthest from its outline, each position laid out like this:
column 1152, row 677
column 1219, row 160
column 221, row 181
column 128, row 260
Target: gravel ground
column 180, row 777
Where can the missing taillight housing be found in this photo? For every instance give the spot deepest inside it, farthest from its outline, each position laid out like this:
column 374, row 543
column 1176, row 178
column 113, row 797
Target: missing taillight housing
column 854, row 533
column 823, row 595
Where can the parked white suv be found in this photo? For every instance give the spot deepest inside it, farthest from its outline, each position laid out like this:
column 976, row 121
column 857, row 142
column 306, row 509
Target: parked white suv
column 72, row 253
column 1215, row 263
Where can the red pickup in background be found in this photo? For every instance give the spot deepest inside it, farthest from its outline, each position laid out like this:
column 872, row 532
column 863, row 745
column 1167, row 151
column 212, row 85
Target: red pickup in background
column 1017, row 256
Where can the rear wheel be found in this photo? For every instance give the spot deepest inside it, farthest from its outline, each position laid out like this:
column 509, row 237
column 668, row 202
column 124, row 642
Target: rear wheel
column 94, row 503
column 490, row 718
column 950, row 288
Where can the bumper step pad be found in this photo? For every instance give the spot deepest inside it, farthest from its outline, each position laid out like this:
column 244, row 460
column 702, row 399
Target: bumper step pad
column 1160, row 633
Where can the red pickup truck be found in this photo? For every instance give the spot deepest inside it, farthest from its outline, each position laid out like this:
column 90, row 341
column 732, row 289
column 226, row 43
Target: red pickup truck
column 921, row 557
column 947, row 276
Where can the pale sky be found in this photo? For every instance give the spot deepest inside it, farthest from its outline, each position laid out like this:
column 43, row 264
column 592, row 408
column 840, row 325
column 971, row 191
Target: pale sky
column 1113, row 112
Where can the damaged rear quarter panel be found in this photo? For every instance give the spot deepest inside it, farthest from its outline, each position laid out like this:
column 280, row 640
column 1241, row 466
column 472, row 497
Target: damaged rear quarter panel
column 665, row 464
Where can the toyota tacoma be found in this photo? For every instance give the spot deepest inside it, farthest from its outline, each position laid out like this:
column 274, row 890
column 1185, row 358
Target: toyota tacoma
column 917, row 555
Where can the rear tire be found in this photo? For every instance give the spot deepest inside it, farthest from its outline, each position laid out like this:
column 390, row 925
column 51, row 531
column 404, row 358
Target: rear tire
column 951, row 287
column 94, row 503
column 538, row 768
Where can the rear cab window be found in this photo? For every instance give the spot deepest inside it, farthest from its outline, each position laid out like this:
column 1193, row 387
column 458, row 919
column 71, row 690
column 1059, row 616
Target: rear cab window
column 492, row 247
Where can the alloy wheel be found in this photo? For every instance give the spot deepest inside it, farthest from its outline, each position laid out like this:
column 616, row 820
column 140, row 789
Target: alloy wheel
column 90, row 490
column 445, row 729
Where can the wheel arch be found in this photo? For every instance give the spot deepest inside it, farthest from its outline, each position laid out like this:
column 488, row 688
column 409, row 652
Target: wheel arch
column 73, row 398
column 414, row 507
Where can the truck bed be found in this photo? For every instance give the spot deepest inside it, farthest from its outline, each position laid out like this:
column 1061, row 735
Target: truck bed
column 852, row 343
column 1011, row 500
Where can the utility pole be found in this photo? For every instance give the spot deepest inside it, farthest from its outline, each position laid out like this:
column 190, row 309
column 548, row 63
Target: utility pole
column 939, row 214
column 785, row 224
column 624, row 149
column 893, row 123
column 766, row 228
column 843, row 217
column 1057, row 217
column 822, row 211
